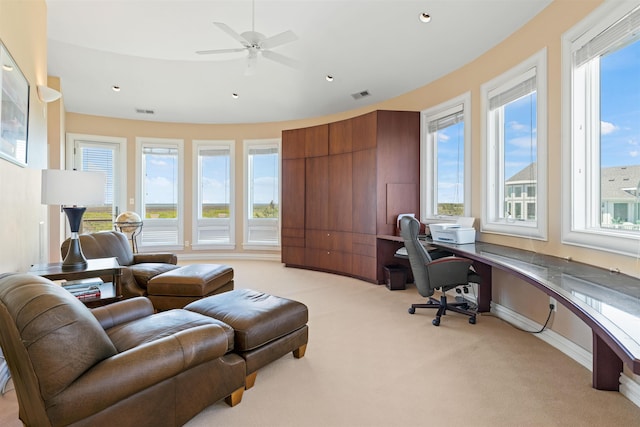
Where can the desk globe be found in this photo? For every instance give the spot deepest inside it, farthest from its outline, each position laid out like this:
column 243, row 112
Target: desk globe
column 129, row 223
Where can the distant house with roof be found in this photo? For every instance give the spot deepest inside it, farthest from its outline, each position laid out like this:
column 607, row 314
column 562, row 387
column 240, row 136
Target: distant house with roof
column 520, row 194
column 619, row 195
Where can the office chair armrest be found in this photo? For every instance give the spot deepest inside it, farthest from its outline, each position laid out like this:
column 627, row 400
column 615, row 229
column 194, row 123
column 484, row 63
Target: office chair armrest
column 449, row 271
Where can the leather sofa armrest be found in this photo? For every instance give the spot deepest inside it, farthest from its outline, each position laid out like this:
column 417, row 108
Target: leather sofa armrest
column 162, row 257
column 123, row 311
column 135, row 370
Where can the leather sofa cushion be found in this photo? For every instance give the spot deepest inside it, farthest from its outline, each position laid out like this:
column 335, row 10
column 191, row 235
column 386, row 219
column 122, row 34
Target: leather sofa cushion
column 147, row 329
column 51, row 322
column 191, row 280
column 256, row 317
column 145, row 271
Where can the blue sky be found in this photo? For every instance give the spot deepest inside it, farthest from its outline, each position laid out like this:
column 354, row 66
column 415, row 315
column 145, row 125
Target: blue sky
column 620, row 102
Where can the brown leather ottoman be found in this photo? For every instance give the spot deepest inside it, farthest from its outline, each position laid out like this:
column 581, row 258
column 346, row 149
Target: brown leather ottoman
column 179, row 287
column 266, row 327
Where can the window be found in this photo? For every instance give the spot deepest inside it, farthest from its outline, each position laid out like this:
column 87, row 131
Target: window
column 262, row 194
column 213, row 195
column 514, row 138
column 601, row 134
column 445, row 143
column 102, row 154
column 160, row 169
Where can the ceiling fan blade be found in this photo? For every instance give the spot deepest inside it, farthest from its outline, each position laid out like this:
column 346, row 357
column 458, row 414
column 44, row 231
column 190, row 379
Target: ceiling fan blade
column 280, row 59
column 279, row 39
column 208, row 52
column 229, row 31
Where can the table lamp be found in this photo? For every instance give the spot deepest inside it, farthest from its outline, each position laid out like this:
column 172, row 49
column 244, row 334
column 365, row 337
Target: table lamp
column 73, row 190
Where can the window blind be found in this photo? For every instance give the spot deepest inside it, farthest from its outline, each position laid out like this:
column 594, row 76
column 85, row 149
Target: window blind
column 446, row 121
column 625, row 31
column 499, row 97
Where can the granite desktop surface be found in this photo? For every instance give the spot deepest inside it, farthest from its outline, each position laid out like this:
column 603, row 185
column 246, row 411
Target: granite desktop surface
column 609, row 297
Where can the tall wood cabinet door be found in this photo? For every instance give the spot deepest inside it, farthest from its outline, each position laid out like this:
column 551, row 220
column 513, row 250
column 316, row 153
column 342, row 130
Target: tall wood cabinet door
column 317, row 193
column 364, row 131
column 293, row 174
column 340, row 137
column 340, row 192
column 293, row 144
column 317, row 141
column 364, row 191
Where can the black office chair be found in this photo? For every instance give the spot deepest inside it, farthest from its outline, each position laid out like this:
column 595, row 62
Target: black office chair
column 442, row 274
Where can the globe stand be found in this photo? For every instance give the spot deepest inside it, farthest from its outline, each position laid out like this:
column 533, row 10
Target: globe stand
column 130, row 228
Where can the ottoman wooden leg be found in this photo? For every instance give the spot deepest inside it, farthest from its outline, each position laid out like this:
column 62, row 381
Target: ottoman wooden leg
column 234, row 398
column 299, row 352
column 250, row 380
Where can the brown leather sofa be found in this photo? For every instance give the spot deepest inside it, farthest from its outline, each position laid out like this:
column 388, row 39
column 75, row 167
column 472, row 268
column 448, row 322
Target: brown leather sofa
column 116, row 365
column 139, row 267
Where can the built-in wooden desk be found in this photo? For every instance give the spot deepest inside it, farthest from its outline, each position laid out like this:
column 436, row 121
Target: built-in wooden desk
column 607, row 301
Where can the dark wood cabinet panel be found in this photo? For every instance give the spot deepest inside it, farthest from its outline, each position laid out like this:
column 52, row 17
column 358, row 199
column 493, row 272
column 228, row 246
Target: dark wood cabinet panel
column 340, row 192
column 317, row 193
column 293, row 193
column 293, row 144
column 364, row 191
column 317, row 141
column 364, row 131
column 340, row 137
column 327, row 260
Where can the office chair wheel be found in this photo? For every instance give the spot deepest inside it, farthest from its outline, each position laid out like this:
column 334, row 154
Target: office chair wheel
column 436, row 322
column 411, row 310
column 472, row 320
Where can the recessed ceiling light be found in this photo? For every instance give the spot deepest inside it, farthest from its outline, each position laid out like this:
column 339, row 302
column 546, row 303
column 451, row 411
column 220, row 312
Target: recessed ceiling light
column 329, row 78
column 234, row 95
column 7, row 67
column 425, row 17
column 115, row 88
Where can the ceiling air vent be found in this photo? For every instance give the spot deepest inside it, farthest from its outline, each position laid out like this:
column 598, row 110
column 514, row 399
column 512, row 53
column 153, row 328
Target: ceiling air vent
column 359, row 95
column 144, row 111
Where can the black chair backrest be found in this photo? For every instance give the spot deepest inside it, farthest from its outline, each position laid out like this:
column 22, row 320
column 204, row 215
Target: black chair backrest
column 418, row 255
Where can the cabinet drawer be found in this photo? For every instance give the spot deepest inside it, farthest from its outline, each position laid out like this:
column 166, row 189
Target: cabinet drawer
column 330, row 240
column 328, row 260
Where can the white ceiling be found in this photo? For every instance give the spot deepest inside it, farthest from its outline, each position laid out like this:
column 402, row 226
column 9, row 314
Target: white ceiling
column 147, row 47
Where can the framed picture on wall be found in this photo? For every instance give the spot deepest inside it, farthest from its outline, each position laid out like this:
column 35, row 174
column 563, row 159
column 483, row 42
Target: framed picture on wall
column 14, row 114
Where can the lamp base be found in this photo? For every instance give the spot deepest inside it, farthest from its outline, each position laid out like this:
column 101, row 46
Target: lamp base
column 75, row 259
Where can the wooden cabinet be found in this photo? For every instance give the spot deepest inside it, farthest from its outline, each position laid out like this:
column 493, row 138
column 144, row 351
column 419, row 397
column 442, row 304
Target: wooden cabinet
column 353, row 178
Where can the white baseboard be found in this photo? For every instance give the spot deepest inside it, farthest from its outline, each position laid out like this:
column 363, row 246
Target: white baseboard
column 629, row 388
column 213, row 256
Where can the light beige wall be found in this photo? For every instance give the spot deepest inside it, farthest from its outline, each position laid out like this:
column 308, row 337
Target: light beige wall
column 23, row 29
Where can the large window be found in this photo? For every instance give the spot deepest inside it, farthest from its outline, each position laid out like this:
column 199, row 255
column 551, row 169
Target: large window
column 262, row 194
column 602, row 129
column 213, row 198
column 100, row 154
column 160, row 169
column 514, row 133
column 445, row 147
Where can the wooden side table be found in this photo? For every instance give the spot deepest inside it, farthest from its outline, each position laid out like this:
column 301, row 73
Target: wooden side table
column 95, row 268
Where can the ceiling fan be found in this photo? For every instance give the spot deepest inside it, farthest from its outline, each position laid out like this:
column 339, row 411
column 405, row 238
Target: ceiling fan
column 256, row 43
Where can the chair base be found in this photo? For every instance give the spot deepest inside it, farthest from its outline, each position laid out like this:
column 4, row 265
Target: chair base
column 442, row 306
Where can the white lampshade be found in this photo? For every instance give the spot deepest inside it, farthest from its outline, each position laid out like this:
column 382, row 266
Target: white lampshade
column 78, row 188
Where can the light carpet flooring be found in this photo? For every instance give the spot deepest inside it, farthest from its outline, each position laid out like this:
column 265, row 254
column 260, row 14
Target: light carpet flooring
column 370, row 363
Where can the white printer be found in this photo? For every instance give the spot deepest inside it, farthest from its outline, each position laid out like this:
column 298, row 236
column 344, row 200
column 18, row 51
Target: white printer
column 452, row 233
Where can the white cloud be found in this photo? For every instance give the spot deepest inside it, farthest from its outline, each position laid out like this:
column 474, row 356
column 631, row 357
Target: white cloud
column 606, row 128
column 633, row 153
